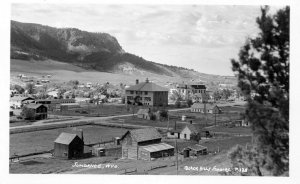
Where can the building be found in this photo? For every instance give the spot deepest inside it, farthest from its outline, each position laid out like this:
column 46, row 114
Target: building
column 68, row 146
column 206, row 108
column 54, row 104
column 146, row 93
column 18, row 101
column 40, row 111
column 196, row 150
column 191, row 89
column 144, row 144
column 190, row 132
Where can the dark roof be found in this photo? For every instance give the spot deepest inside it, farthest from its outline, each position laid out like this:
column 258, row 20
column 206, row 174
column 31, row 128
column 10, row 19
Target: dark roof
column 175, row 130
column 34, row 106
column 65, row 138
column 144, row 134
column 146, row 86
column 197, row 147
column 191, row 85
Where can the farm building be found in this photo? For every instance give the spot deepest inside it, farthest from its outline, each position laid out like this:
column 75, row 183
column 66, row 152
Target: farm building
column 146, row 93
column 18, row 101
column 68, row 146
column 144, row 144
column 144, row 114
column 188, row 132
column 40, row 111
column 206, row 108
column 174, row 133
column 196, row 150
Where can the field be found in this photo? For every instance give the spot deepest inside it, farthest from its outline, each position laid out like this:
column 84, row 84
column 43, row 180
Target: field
column 64, row 72
column 29, row 142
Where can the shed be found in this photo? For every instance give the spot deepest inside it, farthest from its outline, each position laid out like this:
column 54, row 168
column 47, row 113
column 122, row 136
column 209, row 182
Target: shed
column 144, row 144
column 196, row 150
column 155, row 151
column 68, row 146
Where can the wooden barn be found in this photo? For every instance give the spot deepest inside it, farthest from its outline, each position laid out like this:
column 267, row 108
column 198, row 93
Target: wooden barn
column 39, row 111
column 68, row 145
column 144, row 144
column 196, row 150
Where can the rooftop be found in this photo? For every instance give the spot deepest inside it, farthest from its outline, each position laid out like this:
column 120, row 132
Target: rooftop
column 146, row 86
column 144, row 134
column 65, row 138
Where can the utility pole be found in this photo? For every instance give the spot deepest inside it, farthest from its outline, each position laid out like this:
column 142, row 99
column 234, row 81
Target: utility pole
column 176, row 157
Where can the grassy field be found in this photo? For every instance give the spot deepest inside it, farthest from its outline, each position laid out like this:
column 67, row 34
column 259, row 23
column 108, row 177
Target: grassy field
column 240, row 130
column 52, row 165
column 29, row 142
column 64, row 72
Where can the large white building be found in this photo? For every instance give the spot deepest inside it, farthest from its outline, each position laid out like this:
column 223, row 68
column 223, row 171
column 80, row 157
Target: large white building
column 146, row 93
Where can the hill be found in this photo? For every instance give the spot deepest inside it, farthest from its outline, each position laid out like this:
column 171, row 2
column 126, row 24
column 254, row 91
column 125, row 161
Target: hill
column 91, row 52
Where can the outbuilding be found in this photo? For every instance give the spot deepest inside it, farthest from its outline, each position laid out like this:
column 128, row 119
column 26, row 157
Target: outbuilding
column 68, row 145
column 144, row 144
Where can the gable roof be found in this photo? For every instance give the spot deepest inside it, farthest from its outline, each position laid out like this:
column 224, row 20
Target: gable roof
column 146, row 86
column 34, row 106
column 65, row 138
column 197, row 147
column 192, row 128
column 144, row 134
column 20, row 98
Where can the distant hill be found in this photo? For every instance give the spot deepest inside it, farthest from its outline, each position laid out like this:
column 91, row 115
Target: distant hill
column 91, row 51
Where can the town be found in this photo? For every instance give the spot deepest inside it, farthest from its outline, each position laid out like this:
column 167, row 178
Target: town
column 141, row 127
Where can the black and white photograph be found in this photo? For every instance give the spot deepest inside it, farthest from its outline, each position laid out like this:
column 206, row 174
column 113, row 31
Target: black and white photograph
column 172, row 89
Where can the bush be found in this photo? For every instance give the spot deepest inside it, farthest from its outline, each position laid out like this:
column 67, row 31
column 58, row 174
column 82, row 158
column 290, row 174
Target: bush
column 152, row 117
column 189, row 102
column 27, row 114
column 177, row 104
column 163, row 114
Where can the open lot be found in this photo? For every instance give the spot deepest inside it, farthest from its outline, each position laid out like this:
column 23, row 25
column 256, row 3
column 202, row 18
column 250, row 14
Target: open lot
column 29, row 142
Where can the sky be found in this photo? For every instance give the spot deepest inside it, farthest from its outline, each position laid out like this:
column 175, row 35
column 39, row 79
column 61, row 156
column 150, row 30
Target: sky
column 200, row 37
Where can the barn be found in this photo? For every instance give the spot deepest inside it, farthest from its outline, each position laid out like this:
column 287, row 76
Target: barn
column 68, row 145
column 144, row 144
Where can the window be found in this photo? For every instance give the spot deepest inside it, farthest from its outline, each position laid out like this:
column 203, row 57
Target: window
column 129, row 97
column 172, row 133
column 131, row 92
column 147, row 98
column 185, row 136
column 146, row 92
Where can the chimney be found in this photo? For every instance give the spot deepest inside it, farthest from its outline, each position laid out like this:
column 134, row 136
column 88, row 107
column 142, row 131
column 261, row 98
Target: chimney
column 147, row 80
column 136, row 81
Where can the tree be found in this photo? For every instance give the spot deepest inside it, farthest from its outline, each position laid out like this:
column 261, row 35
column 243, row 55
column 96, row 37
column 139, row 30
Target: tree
column 30, row 88
column 263, row 76
column 176, row 96
column 19, row 89
column 27, row 113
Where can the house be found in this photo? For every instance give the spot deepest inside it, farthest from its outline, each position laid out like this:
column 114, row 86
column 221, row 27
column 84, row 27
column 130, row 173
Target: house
column 18, row 101
column 146, row 93
column 191, row 89
column 144, row 144
column 206, row 108
column 68, row 145
column 40, row 111
column 202, row 97
column 144, row 114
column 190, row 132
column 196, row 150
